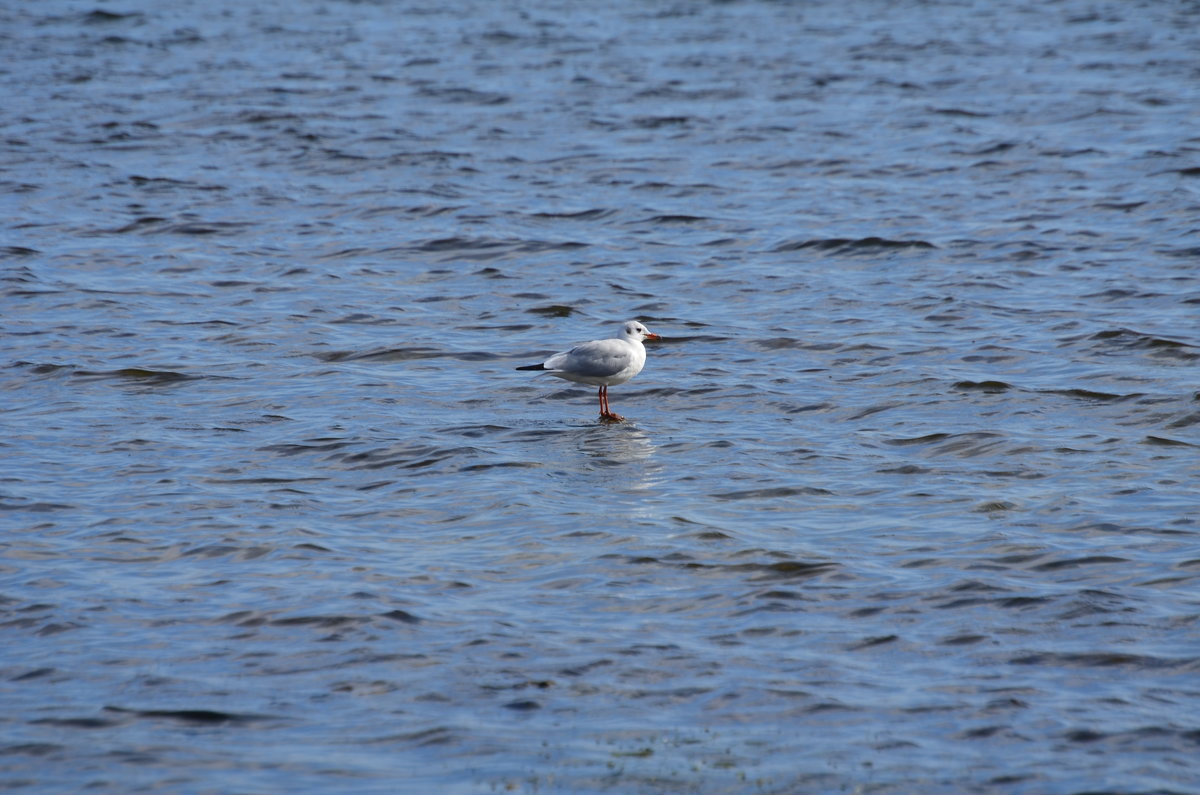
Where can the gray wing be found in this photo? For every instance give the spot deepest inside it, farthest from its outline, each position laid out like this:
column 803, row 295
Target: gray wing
column 596, row 359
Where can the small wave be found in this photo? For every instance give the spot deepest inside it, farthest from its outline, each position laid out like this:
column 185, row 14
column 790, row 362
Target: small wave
column 582, row 215
column 989, row 387
column 484, row 248
column 406, row 355
column 963, row 445
column 847, row 245
column 1137, row 339
column 1105, row 659
column 466, row 96
column 1162, row 441
column 34, row 507
column 554, row 310
column 138, row 375
column 1088, row 394
column 773, row 493
column 100, row 16
column 154, row 225
column 195, row 717
column 673, row 219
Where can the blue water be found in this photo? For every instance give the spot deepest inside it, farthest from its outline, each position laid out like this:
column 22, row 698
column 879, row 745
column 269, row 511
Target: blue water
column 906, row 497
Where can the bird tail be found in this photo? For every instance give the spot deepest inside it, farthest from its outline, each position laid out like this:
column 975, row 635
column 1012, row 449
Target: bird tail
column 534, row 367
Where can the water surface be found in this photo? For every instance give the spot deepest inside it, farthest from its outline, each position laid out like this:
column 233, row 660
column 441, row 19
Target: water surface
column 906, row 498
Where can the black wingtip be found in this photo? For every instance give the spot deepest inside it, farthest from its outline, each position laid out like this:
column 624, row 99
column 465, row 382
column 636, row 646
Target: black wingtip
column 534, row 367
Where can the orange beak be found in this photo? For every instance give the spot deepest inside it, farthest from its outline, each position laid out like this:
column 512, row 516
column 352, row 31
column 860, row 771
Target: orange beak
column 650, row 336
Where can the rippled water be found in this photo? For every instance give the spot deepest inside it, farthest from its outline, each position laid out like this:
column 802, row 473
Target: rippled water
column 906, row 499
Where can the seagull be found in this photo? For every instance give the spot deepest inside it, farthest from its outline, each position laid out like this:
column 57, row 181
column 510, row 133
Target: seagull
column 602, row 363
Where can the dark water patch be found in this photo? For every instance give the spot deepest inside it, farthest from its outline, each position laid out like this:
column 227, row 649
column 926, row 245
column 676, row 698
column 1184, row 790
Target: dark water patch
column 141, row 224
column 970, row 114
column 773, row 493
column 465, row 96
column 961, row 445
column 580, row 215
column 235, row 553
column 1120, row 294
column 234, row 284
column 156, row 225
column 415, row 353
column 264, row 481
column 388, row 355
column 137, row 375
column 433, row 737
column 46, row 369
column 411, row 211
column 1090, row 395
column 656, row 122
column 870, row 410
column 76, row 723
column 776, row 343
column 784, row 569
column 33, row 506
column 501, row 464
column 870, row 643
column 673, row 219
column 1113, row 528
column 310, row 446
column 31, row 294
column 1149, row 739
column 807, row 408
column 906, row 469
column 1102, row 659
column 967, row 639
column 37, row 673
column 402, row 616
column 490, row 248
column 363, row 319
column 987, row 387
column 475, row 431
column 1185, row 421
column 478, row 356
column 8, row 252
column 1120, row 206
column 151, row 184
column 670, row 390
column 320, row 622
column 994, row 506
column 204, row 228
column 214, row 322
column 493, row 327
column 844, row 245
column 1071, row 563
column 1128, row 338
column 194, row 717
column 31, row 749
column 402, row 457
column 777, row 570
column 554, row 310
column 1162, row 441
column 100, row 16
column 919, row 440
column 1021, row 474
column 1186, row 252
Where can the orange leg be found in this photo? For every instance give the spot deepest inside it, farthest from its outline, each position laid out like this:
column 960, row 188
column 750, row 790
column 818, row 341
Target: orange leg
column 605, row 411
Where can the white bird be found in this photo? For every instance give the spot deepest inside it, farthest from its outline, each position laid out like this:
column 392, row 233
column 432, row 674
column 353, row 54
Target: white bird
column 602, row 363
